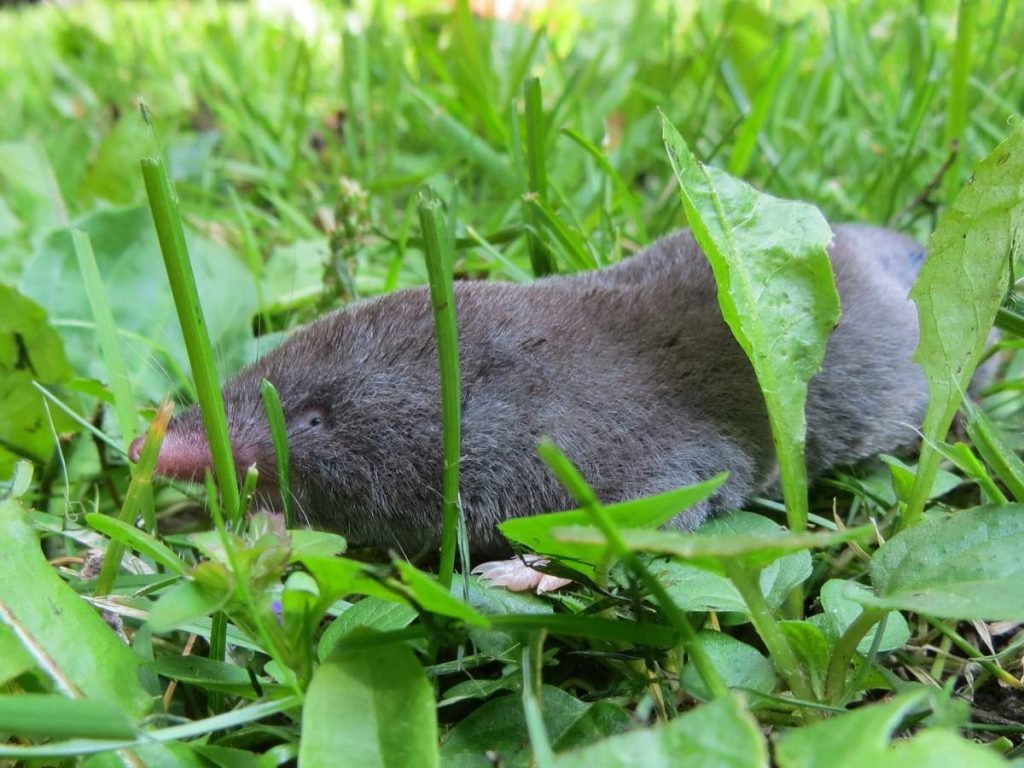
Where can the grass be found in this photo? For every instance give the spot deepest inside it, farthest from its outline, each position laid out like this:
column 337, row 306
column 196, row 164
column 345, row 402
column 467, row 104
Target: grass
column 297, row 145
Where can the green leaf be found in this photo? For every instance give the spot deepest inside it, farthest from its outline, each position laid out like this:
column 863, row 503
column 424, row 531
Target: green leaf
column 184, row 603
column 372, row 707
column 498, row 728
column 306, row 542
column 861, row 738
column 694, row 588
column 14, row 659
column 370, row 613
column 776, row 292
column 839, row 602
column 112, row 175
column 812, row 649
column 30, row 350
column 206, row 673
column 721, row 734
column 996, row 448
column 30, row 203
column 138, row 540
column 536, row 532
column 959, row 291
column 55, row 624
column 740, row 666
column 937, row 748
column 34, row 715
column 339, row 577
column 431, row 596
column 965, row 566
column 709, row 550
column 126, row 246
column 20, row 482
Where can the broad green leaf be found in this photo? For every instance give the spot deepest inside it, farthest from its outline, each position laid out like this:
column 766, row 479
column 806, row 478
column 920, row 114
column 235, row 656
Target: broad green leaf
column 965, row 566
column 184, row 603
column 775, row 289
column 20, row 482
column 227, row 757
column 838, row 600
column 372, row 708
column 903, row 480
column 14, row 659
column 30, row 203
column 960, row 288
column 940, row 748
column 140, row 541
column 125, row 244
column 721, row 734
column 695, row 588
column 206, row 673
column 30, row 350
column 812, row 649
column 430, row 595
column 340, row 576
column 371, row 613
column 535, row 532
column 498, row 602
column 863, row 734
column 499, row 728
column 113, row 173
column 740, row 666
column 55, row 623
column 35, row 715
column 862, row 738
column 308, row 542
column 709, row 550
column 294, row 274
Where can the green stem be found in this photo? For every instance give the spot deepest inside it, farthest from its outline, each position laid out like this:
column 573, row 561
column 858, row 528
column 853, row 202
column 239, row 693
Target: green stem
column 532, row 665
column 771, row 634
column 835, row 678
column 957, row 113
column 973, row 653
column 584, row 495
column 279, row 437
column 537, row 186
column 164, row 205
column 437, row 249
column 106, row 334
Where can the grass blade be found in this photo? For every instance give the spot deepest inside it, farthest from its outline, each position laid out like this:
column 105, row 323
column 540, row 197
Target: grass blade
column 164, row 205
column 106, row 334
column 570, row 477
column 437, row 250
column 537, row 185
column 956, row 108
column 279, row 436
column 142, row 478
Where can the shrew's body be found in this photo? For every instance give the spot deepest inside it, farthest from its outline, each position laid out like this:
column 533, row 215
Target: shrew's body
column 631, row 370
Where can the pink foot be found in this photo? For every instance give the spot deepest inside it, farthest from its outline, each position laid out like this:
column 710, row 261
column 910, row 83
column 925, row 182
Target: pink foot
column 516, row 575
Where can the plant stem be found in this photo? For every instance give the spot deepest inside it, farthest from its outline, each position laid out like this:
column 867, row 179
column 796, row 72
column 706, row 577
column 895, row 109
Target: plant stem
column 584, row 495
column 957, row 112
column 771, row 634
column 164, row 205
column 835, row 678
column 437, row 250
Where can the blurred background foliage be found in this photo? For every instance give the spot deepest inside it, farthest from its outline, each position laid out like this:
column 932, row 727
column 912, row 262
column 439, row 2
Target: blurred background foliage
column 298, row 133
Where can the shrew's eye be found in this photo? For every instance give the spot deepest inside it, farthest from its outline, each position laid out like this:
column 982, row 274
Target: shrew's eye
column 311, row 418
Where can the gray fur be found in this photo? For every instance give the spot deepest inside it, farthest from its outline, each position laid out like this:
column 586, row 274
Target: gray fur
column 631, row 370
